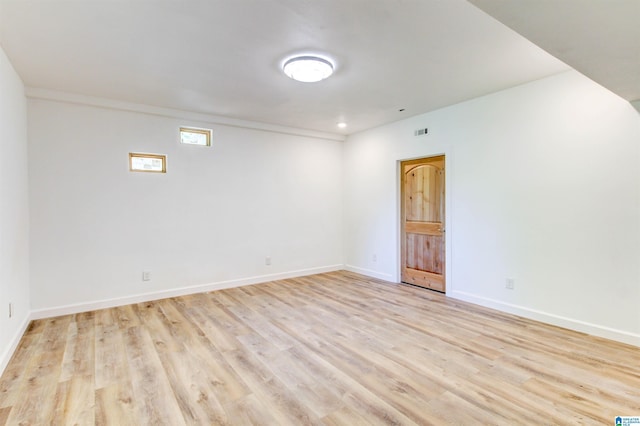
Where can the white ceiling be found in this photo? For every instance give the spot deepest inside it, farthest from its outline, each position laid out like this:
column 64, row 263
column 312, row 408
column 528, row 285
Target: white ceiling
column 223, row 57
column 599, row 38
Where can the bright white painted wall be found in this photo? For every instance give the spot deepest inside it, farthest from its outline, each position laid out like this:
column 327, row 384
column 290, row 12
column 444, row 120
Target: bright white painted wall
column 210, row 220
column 543, row 186
column 14, row 210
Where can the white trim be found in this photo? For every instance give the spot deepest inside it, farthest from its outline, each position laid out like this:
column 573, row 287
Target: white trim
column 547, row 318
column 5, row 357
column 183, row 291
column 596, row 330
column 54, row 95
column 370, row 273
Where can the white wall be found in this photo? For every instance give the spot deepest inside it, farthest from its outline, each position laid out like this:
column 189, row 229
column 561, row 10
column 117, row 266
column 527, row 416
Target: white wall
column 209, row 222
column 543, row 186
column 14, row 210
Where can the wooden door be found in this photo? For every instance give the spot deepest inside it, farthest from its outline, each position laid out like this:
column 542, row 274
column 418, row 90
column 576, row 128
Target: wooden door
column 423, row 245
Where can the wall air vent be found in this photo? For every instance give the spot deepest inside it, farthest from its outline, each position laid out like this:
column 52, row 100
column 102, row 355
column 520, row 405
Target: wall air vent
column 421, row 132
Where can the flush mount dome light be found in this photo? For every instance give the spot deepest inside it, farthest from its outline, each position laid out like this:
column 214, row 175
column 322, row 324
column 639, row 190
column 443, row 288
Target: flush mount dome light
column 308, row 69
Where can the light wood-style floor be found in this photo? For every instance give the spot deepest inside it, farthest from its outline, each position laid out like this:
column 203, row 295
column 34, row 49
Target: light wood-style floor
column 334, row 349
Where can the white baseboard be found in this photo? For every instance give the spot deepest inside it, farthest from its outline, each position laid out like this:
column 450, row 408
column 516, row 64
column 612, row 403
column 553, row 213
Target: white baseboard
column 589, row 328
column 560, row 321
column 369, row 272
column 7, row 353
column 182, row 291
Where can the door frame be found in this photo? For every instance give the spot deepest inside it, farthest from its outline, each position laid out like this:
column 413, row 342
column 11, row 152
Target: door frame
column 449, row 288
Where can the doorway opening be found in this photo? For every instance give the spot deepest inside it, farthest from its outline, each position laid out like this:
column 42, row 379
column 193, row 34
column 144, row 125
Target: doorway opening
column 422, row 189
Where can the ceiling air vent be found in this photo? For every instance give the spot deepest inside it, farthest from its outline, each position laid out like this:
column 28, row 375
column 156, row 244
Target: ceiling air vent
column 421, row 132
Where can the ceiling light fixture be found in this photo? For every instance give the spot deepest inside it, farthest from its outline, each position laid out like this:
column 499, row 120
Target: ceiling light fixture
column 308, row 69
column 342, row 125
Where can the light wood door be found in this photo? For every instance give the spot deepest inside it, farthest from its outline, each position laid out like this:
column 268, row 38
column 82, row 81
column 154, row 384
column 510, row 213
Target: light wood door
column 423, row 227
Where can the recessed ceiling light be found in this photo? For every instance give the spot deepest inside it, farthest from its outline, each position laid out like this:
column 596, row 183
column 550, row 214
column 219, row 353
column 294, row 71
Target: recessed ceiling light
column 308, row 69
column 342, row 125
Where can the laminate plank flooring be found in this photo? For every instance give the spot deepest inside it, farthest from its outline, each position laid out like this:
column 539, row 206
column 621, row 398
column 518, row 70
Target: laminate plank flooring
column 328, row 349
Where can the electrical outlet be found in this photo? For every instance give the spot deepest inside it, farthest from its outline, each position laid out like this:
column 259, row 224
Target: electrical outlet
column 374, row 258
column 146, row 276
column 510, row 284
column 267, row 260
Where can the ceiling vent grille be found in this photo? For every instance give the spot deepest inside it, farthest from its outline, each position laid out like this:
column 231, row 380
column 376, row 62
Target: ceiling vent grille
column 421, row 132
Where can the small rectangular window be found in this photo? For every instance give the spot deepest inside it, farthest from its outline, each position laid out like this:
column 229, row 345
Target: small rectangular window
column 147, row 162
column 194, row 136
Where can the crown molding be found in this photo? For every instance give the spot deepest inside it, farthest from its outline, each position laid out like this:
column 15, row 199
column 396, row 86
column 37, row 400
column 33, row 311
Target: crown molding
column 73, row 98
